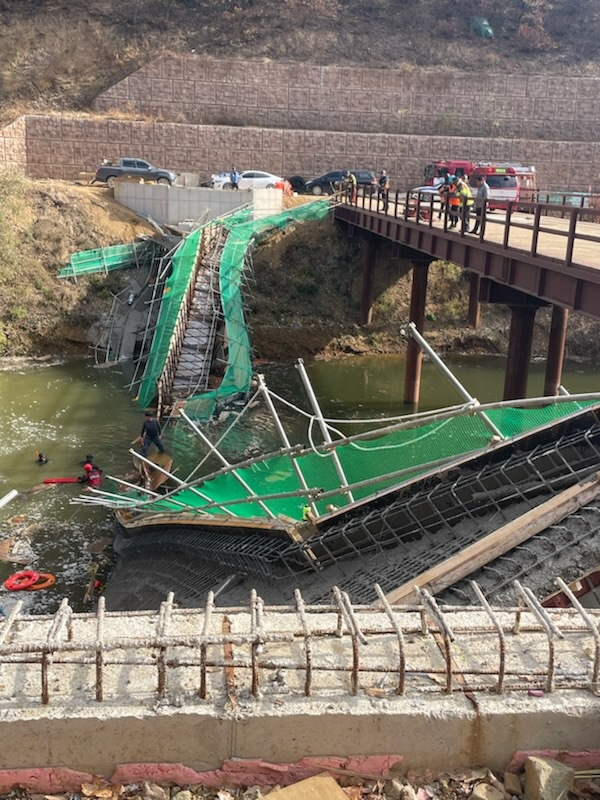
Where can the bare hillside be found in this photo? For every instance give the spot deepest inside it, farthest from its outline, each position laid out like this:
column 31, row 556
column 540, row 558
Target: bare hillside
column 61, row 53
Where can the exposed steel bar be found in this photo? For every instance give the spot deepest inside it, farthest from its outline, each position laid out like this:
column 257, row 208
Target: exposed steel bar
column 307, row 641
column 100, row 616
column 67, row 641
column 208, row 610
column 501, row 637
column 256, row 622
column 7, row 626
column 166, row 611
column 593, row 627
column 355, row 634
column 399, row 634
column 448, row 636
column 548, row 625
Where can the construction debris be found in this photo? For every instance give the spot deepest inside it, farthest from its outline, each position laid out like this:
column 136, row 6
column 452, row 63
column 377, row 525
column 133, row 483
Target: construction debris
column 539, row 779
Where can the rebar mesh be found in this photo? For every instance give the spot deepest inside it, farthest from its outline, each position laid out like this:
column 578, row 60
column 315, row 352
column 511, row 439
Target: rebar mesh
column 335, row 650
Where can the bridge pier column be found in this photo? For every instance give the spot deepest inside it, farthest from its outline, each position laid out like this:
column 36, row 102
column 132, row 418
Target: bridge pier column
column 556, row 350
column 474, row 304
column 366, row 303
column 519, row 351
column 414, row 356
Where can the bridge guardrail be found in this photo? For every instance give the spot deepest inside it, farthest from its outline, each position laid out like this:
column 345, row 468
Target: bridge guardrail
column 570, row 243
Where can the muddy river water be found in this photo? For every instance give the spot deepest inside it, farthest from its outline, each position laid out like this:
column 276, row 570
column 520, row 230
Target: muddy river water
column 68, row 409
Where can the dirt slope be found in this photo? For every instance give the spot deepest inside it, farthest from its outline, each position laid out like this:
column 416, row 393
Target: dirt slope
column 41, row 224
column 61, row 53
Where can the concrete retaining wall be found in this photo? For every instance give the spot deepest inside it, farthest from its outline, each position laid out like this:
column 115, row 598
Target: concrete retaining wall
column 304, row 119
column 174, row 204
column 411, row 100
column 63, row 146
column 13, row 145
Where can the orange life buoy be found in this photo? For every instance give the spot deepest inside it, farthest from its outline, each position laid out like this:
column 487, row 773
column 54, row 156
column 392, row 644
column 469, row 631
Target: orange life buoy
column 21, row 580
column 45, row 581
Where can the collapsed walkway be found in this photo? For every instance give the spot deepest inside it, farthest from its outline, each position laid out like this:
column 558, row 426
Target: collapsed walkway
column 193, row 324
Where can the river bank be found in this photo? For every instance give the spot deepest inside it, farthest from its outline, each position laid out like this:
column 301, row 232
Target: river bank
column 304, row 299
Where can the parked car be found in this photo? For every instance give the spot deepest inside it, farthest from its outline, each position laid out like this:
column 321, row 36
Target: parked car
column 249, row 179
column 332, row 181
column 425, row 197
column 108, row 171
column 425, row 193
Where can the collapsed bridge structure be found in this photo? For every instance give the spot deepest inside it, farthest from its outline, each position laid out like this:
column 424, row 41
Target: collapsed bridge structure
column 189, row 329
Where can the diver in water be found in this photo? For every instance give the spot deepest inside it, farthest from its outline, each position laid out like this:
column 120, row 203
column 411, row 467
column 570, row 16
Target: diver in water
column 92, row 475
column 42, row 458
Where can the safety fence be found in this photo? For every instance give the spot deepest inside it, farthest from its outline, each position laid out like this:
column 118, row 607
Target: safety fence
column 543, row 229
column 106, row 259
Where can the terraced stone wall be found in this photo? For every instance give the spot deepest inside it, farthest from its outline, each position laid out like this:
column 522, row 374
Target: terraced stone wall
column 62, row 147
column 409, row 100
column 13, row 150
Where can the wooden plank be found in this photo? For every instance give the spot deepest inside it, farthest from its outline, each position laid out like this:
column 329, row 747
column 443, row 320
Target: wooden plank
column 152, row 477
column 499, row 542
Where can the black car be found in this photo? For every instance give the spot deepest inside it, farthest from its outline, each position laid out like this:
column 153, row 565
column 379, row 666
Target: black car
column 332, row 181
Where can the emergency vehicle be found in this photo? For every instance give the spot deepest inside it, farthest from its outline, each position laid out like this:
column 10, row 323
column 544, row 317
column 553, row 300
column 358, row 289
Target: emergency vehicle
column 507, row 181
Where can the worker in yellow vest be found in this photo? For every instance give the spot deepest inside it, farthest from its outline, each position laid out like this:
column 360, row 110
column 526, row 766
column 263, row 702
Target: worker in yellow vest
column 463, row 192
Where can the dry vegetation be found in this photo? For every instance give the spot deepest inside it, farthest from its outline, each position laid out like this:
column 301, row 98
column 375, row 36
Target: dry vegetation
column 61, row 53
column 41, row 224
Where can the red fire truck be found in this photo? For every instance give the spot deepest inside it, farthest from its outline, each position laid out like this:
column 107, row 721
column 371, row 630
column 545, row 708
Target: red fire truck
column 507, row 181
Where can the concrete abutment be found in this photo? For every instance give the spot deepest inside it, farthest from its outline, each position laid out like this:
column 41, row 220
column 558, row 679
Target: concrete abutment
column 254, row 704
column 433, row 732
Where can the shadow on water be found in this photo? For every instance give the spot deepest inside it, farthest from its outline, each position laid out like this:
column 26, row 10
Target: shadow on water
column 68, row 409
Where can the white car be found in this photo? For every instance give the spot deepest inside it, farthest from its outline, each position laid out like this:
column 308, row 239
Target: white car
column 249, row 179
column 425, row 193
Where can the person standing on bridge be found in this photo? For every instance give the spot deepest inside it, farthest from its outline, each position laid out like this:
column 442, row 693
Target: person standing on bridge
column 384, row 190
column 351, row 185
column 481, row 200
column 463, row 192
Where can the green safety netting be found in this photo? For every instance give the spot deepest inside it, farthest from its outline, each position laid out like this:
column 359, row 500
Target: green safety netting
column 176, row 285
column 395, row 457
column 105, row 259
column 242, row 233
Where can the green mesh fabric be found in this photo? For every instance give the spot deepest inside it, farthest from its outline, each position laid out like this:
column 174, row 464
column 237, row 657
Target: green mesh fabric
column 105, row 259
column 182, row 269
column 415, row 450
column 242, row 233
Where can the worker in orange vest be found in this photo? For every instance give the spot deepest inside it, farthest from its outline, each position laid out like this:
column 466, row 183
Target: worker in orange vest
column 453, row 201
